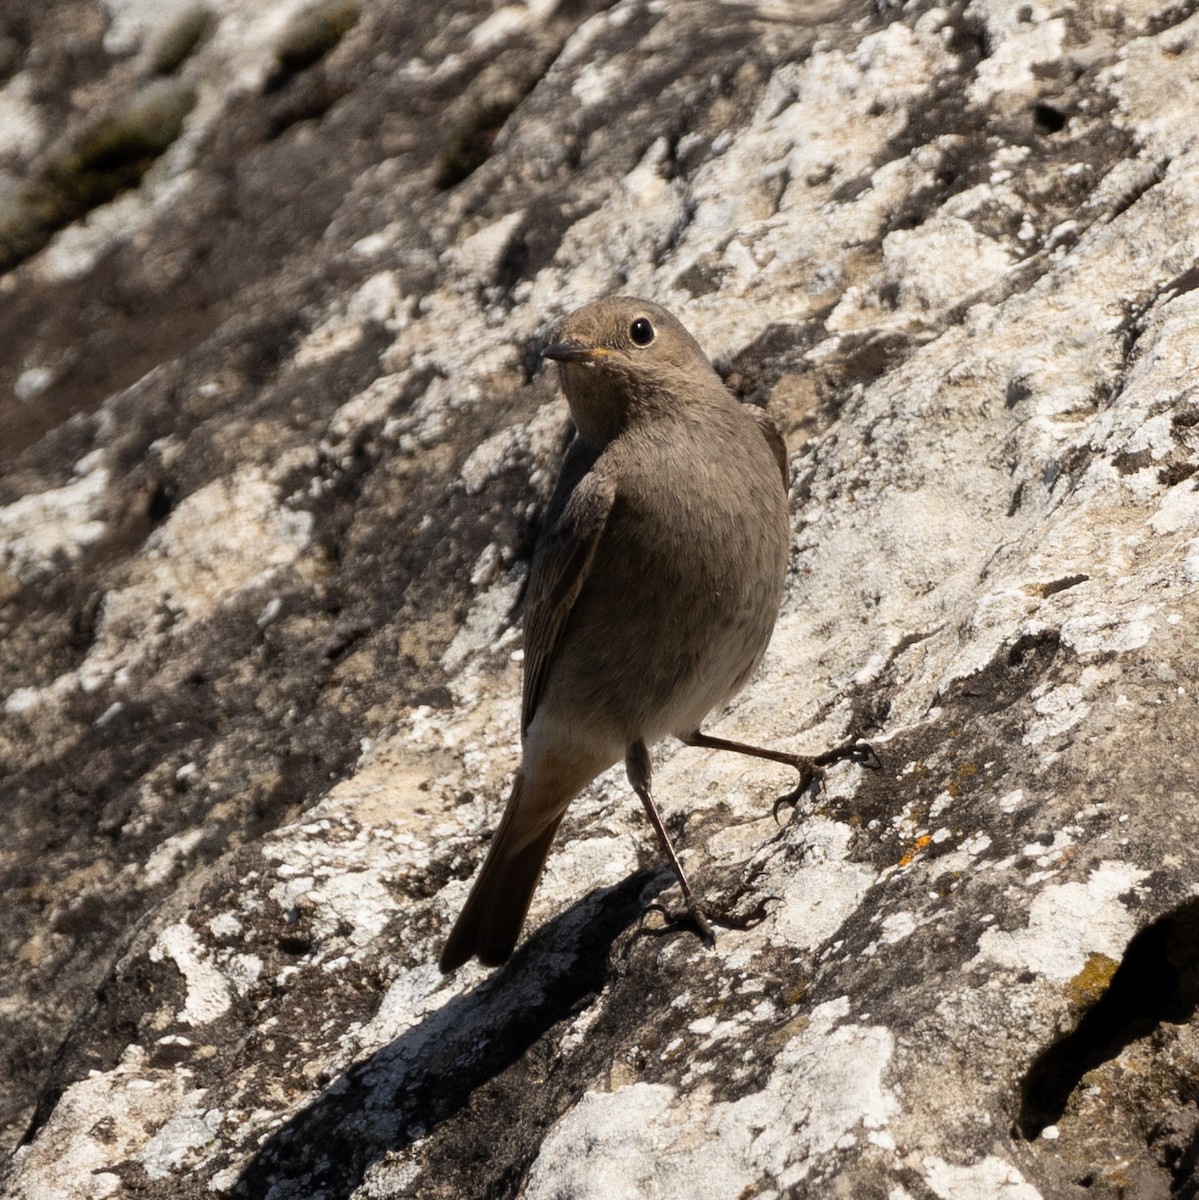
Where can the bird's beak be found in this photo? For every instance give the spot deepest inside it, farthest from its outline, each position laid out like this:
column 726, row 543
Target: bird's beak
column 568, row 352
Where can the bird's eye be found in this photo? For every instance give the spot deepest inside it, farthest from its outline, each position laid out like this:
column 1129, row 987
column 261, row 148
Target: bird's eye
column 641, row 331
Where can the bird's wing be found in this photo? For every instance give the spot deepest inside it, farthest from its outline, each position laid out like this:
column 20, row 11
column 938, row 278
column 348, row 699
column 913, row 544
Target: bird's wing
column 565, row 552
column 774, row 439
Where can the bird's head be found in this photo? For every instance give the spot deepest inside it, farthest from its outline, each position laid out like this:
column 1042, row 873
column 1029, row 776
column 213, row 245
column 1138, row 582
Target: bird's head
column 622, row 358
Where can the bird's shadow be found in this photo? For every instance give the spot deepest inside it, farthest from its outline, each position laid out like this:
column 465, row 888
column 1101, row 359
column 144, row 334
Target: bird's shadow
column 405, row 1090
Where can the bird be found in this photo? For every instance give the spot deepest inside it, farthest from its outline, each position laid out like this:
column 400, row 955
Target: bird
column 653, row 592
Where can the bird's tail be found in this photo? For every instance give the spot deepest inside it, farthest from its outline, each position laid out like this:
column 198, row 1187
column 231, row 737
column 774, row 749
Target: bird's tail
column 491, row 920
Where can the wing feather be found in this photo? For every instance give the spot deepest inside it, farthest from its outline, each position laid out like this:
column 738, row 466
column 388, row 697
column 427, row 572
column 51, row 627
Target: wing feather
column 575, row 522
column 774, row 439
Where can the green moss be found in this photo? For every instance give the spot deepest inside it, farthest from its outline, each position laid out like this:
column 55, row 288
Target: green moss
column 1093, row 980
column 25, row 218
column 118, row 150
column 176, row 43
column 110, row 155
column 310, row 35
column 140, row 131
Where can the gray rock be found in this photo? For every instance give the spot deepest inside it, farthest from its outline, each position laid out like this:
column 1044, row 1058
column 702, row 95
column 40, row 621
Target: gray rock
column 274, row 440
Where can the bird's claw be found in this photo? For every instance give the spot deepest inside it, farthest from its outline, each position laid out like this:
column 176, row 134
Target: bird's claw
column 791, row 798
column 862, row 754
column 811, row 770
column 692, row 915
column 723, row 916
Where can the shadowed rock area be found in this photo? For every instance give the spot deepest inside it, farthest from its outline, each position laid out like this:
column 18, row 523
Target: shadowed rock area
column 274, row 438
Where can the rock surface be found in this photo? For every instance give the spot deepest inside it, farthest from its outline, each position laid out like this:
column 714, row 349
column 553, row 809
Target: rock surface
column 274, row 440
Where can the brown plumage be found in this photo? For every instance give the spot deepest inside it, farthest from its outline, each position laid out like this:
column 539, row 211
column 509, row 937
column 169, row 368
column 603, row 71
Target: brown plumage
column 653, row 592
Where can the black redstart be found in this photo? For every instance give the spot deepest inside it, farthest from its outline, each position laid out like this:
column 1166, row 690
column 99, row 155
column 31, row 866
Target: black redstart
column 654, row 589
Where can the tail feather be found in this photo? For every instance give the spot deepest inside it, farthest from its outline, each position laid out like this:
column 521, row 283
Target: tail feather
column 495, row 910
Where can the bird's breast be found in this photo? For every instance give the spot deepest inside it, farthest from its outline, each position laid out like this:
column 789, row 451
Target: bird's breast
column 683, row 592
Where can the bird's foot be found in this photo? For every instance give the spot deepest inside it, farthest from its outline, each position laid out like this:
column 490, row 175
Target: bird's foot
column 861, row 753
column 691, row 915
column 722, row 913
column 811, row 770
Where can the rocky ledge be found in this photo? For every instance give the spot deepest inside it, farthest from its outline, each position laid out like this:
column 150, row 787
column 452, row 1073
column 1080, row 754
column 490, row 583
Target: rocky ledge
column 274, row 441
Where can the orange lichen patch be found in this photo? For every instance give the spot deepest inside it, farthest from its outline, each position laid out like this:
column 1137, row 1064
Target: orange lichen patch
column 920, row 844
column 966, row 771
column 1093, row 980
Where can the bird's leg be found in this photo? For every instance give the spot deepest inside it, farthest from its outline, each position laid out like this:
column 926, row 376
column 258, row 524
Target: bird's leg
column 637, row 766
column 809, row 767
column 855, row 751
